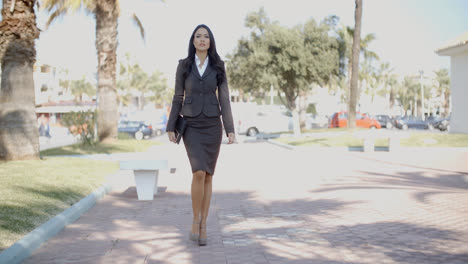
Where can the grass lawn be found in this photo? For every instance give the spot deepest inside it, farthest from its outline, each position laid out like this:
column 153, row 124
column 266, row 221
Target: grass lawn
column 342, row 140
column 415, row 139
column 119, row 146
column 426, row 139
column 321, row 130
column 326, row 129
column 33, row 191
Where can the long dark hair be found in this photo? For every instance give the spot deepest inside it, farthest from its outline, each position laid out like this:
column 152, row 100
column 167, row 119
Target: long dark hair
column 213, row 57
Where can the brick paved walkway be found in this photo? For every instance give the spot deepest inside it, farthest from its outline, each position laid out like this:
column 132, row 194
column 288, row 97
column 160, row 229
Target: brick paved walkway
column 272, row 205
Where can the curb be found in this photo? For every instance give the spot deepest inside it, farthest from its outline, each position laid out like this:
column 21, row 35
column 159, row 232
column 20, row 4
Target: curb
column 334, row 149
column 279, row 144
column 377, row 149
column 23, row 248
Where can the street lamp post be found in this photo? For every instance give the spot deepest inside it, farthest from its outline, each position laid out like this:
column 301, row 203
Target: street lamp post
column 271, row 94
column 421, row 72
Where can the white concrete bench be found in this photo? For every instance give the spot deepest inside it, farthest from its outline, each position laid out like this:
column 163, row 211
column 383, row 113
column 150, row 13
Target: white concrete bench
column 146, row 175
column 370, row 136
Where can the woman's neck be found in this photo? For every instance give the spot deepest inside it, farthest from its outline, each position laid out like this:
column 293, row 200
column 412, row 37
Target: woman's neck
column 202, row 55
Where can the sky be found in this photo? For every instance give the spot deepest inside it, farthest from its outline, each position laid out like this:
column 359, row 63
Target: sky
column 407, row 31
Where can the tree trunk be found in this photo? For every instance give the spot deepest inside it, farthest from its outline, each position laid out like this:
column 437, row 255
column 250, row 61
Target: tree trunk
column 447, row 102
column 291, row 103
column 355, row 65
column 293, row 106
column 302, row 109
column 19, row 136
column 296, row 122
column 106, row 45
column 392, row 97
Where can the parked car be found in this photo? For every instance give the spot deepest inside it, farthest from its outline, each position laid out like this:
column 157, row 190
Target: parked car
column 253, row 120
column 136, row 129
column 442, row 124
column 315, row 121
column 160, row 122
column 385, row 121
column 413, row 122
column 340, row 119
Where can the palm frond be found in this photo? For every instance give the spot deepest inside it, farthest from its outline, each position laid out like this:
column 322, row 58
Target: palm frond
column 50, row 5
column 56, row 14
column 370, row 54
column 369, row 37
column 68, row 5
column 57, row 8
column 137, row 22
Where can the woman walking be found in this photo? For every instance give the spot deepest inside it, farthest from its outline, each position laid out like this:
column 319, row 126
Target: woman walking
column 201, row 97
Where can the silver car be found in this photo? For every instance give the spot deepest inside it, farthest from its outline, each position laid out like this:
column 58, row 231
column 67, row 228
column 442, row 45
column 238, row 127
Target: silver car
column 252, row 120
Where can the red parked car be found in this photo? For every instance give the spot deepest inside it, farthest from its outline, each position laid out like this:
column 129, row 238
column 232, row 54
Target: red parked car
column 340, row 119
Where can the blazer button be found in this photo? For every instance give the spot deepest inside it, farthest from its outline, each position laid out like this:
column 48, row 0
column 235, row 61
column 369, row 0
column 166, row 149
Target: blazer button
column 201, row 82
column 201, row 94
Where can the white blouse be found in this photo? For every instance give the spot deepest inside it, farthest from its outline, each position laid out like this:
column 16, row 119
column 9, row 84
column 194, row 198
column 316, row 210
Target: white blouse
column 201, row 68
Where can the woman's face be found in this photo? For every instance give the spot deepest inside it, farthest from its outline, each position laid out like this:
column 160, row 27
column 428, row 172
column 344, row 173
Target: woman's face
column 201, row 39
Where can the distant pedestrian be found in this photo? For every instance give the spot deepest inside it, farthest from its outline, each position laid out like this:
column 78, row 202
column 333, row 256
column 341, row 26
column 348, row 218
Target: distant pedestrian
column 199, row 76
column 47, row 128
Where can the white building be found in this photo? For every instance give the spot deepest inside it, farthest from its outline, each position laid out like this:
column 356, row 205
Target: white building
column 457, row 49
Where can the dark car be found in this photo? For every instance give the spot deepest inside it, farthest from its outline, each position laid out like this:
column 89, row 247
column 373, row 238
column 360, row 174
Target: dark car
column 385, row 121
column 160, row 123
column 442, row 124
column 136, row 129
column 413, row 122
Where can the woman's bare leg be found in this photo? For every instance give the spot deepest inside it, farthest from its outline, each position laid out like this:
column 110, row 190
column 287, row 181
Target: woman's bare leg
column 206, row 203
column 197, row 191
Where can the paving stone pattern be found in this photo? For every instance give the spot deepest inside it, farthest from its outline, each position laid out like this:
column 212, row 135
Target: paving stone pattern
column 272, row 205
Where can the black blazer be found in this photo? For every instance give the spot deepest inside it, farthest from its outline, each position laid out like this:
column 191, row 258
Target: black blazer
column 198, row 94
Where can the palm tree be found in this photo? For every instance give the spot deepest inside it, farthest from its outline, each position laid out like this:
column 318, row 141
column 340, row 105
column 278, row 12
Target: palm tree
column 367, row 77
column 355, row 65
column 345, row 47
column 106, row 13
column 387, row 79
column 392, row 84
column 80, row 87
column 408, row 94
column 443, row 88
column 345, row 42
column 19, row 137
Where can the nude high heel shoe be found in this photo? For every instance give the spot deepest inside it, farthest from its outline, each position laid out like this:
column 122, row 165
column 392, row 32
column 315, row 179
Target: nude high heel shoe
column 202, row 241
column 192, row 236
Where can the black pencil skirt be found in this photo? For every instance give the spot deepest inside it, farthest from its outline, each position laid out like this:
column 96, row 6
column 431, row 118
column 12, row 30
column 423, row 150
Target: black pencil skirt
column 202, row 140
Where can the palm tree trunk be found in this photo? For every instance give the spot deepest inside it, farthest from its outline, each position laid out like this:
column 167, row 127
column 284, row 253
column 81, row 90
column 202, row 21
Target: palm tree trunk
column 392, row 97
column 106, row 45
column 446, row 102
column 355, row 65
column 19, row 136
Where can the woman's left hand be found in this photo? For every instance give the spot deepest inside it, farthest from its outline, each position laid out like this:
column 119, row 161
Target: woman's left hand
column 232, row 138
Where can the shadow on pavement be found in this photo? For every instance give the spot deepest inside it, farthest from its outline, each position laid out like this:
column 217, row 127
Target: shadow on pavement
column 345, row 210
column 120, row 228
column 242, row 229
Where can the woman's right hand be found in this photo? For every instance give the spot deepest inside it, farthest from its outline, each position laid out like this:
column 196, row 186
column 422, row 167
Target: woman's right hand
column 171, row 136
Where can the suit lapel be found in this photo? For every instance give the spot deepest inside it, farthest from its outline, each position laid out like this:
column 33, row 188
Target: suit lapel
column 207, row 71
column 195, row 71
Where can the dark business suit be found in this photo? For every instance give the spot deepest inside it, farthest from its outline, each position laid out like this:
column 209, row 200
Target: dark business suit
column 200, row 96
column 195, row 98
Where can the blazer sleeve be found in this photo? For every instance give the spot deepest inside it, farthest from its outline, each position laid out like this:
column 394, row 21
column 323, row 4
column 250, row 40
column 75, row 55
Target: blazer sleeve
column 177, row 99
column 225, row 103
